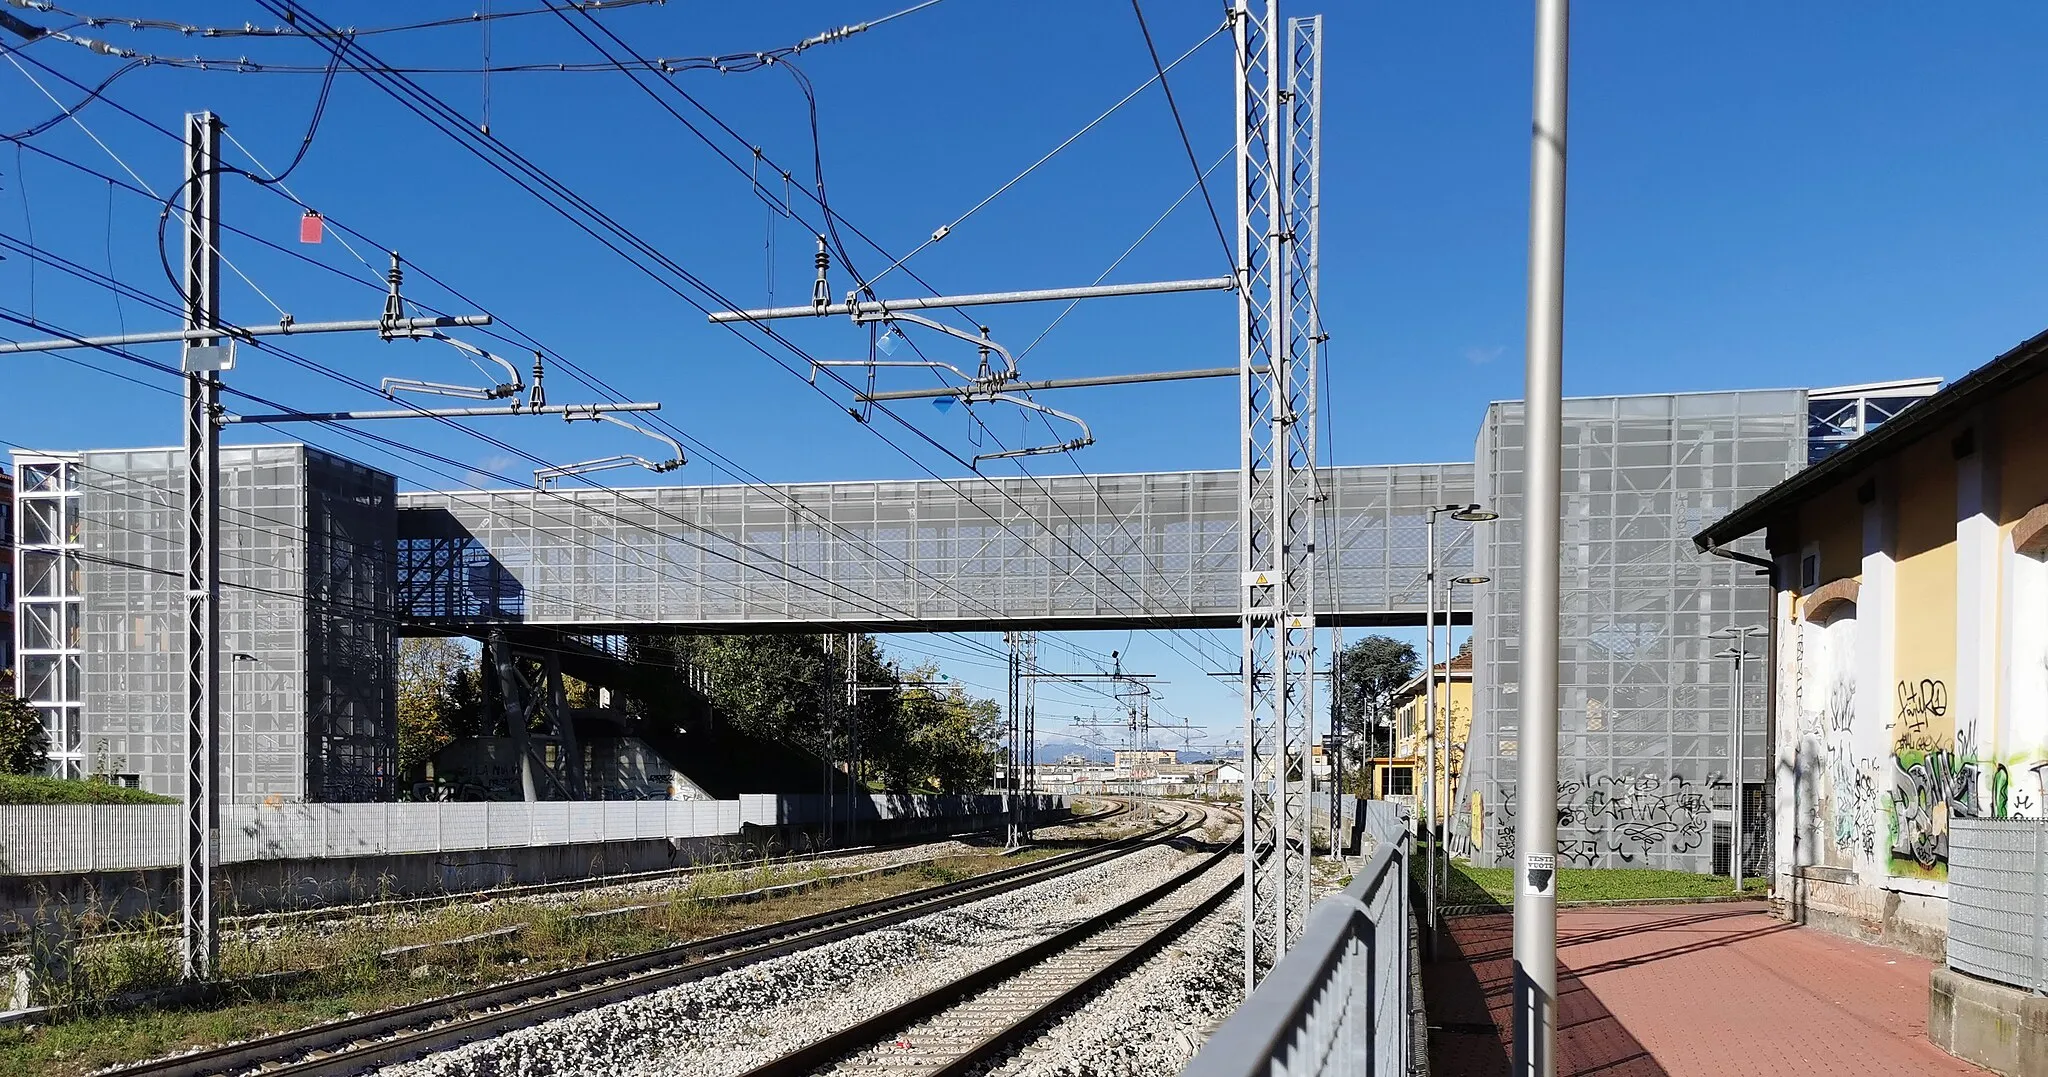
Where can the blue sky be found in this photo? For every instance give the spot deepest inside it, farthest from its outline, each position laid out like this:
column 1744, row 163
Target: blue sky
column 1761, row 195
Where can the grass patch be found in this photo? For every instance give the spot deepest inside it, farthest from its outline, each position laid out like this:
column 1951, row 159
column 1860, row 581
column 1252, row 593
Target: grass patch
column 351, row 977
column 1495, row 887
column 27, row 789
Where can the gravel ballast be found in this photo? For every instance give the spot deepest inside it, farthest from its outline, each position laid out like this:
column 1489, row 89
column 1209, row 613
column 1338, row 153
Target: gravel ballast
column 1151, row 1022
column 729, row 1023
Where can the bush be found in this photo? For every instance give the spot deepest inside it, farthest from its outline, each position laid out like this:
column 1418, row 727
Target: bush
column 24, row 789
column 24, row 746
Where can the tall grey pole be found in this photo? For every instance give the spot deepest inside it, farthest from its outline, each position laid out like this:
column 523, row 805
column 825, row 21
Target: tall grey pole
column 1450, row 730
column 1535, row 999
column 198, row 940
column 1010, row 752
column 855, row 787
column 1735, row 765
column 1427, row 815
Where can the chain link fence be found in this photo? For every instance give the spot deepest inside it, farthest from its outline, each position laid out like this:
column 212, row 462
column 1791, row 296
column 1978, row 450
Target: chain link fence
column 1997, row 890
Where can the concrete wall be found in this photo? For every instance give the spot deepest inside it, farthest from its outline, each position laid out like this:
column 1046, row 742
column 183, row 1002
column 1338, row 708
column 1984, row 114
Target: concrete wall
column 269, row 885
column 2000, row 1028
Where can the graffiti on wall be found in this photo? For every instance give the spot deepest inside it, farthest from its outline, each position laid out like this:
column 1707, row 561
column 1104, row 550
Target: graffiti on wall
column 1840, row 818
column 1620, row 818
column 1935, row 773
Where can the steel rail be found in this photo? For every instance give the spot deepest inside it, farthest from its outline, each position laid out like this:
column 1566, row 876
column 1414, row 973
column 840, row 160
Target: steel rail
column 979, row 989
column 355, row 1044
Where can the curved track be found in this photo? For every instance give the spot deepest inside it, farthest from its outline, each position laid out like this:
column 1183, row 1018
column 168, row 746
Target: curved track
column 353, row 1045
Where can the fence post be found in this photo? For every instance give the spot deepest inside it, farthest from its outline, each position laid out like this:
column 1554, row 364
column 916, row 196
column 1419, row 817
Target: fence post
column 1408, row 977
column 2038, row 887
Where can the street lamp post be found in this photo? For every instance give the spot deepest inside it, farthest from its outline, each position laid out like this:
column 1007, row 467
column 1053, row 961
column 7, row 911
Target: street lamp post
column 1426, row 818
column 1740, row 653
column 1451, row 788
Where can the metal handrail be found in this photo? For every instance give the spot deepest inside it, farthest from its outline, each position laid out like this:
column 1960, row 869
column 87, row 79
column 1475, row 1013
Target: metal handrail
column 1284, row 1028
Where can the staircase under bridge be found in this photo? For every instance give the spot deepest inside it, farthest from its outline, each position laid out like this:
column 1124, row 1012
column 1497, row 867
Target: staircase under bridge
column 1152, row 550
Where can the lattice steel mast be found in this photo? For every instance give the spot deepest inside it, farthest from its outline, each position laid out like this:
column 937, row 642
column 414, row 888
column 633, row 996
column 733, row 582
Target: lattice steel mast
column 1302, row 170
column 1278, row 334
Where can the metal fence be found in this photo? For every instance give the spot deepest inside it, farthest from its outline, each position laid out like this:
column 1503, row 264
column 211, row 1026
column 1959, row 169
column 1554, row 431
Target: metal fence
column 1340, row 1002
column 1997, row 890
column 71, row 838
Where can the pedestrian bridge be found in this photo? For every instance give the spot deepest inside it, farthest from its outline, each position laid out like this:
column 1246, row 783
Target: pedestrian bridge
column 1057, row 552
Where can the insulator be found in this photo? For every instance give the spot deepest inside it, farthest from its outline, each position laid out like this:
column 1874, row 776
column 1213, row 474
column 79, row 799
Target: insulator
column 821, row 292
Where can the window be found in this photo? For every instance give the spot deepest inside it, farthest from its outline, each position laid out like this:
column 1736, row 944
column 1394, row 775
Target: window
column 1399, row 782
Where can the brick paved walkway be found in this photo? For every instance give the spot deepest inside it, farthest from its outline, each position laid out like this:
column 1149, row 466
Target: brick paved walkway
column 1688, row 991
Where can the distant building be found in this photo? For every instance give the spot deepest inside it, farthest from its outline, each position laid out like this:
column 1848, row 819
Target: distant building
column 1642, row 704
column 1405, row 772
column 1138, row 763
column 307, row 620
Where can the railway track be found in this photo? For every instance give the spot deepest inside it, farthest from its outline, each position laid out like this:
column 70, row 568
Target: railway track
column 356, row 1044
column 960, row 1026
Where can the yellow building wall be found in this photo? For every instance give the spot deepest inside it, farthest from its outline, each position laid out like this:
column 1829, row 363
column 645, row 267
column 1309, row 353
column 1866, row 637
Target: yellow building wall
column 1454, row 725
column 1922, row 735
column 1834, row 523
column 2023, row 464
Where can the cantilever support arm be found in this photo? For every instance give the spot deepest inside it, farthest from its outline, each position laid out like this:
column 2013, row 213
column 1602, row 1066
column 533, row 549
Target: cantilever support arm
column 511, row 386
column 980, row 299
column 572, row 412
column 1086, row 439
column 1009, row 362
column 1065, row 383
column 544, row 478
column 245, row 332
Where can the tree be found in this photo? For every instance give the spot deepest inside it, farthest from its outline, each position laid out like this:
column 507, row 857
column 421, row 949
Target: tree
column 440, row 698
column 952, row 735
column 776, row 686
column 916, row 734
column 24, row 745
column 1369, row 672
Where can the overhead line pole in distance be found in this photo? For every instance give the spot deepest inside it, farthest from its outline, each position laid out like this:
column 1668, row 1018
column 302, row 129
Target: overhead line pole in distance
column 208, row 349
column 1535, row 944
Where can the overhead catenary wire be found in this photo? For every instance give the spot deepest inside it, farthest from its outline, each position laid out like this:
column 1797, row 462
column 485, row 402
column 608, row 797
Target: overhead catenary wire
column 927, row 439
column 841, row 593
column 128, row 22
column 831, row 217
column 355, row 435
column 946, row 230
column 588, row 218
column 140, row 182
column 702, row 447
column 1229, row 254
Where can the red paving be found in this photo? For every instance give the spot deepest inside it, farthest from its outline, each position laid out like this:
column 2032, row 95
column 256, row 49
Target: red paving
column 1688, row 991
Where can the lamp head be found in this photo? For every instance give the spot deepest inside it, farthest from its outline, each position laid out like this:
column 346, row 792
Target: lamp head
column 1473, row 514
column 1473, row 581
